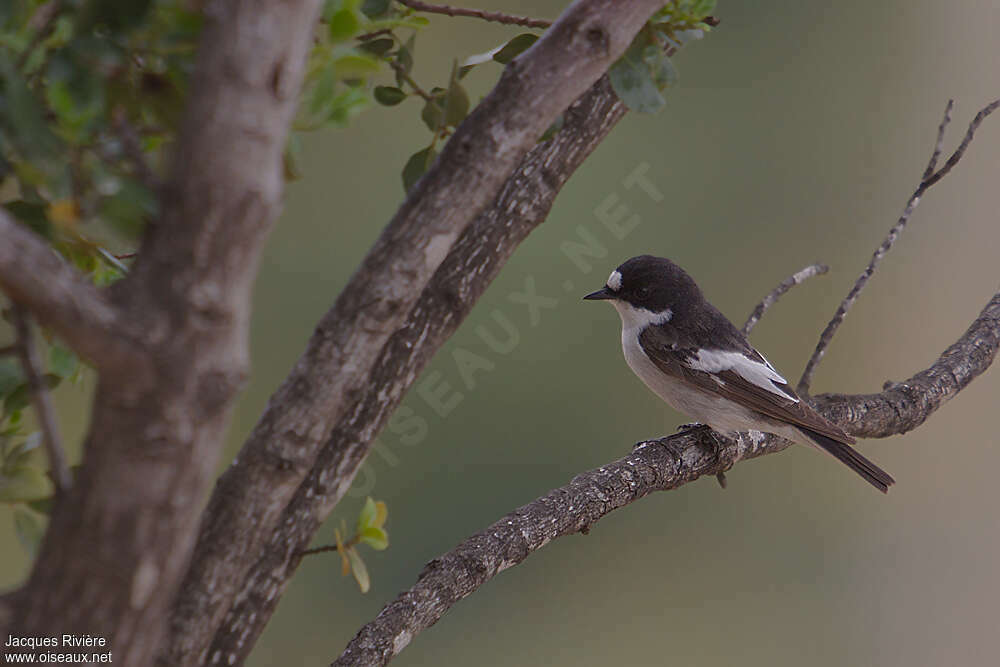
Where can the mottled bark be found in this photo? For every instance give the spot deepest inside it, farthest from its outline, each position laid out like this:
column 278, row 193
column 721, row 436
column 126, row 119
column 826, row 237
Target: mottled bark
column 655, row 465
column 119, row 541
column 467, row 271
column 251, row 500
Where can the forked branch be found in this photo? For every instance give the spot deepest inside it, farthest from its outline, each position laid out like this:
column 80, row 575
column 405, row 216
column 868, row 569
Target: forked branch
column 667, row 463
column 929, row 178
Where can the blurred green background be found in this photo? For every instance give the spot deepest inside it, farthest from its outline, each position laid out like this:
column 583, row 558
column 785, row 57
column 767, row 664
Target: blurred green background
column 795, row 135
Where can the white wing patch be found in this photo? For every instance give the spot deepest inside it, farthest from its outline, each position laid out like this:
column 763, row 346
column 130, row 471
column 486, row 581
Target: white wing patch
column 614, row 281
column 759, row 374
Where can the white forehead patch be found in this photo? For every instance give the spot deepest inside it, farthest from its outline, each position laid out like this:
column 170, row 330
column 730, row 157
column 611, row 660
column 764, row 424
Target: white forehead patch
column 615, row 281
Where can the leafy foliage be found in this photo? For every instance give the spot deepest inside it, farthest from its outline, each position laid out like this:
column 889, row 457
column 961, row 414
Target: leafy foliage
column 91, row 97
column 645, row 71
column 370, row 530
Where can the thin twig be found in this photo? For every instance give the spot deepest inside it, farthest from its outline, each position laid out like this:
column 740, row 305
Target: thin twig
column 319, row 550
column 40, row 398
column 932, row 165
column 785, row 285
column 496, row 17
column 8, row 350
column 404, row 75
column 652, row 466
column 930, row 177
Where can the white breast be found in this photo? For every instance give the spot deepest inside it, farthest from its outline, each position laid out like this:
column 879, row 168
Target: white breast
column 721, row 414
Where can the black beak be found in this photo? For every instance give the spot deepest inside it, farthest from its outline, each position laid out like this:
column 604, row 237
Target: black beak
column 603, row 293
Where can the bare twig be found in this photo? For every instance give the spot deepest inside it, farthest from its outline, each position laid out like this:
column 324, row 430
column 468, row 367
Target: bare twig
column 930, row 177
column 40, row 399
column 939, row 144
column 405, row 76
column 320, row 550
column 655, row 465
column 495, row 17
column 785, row 285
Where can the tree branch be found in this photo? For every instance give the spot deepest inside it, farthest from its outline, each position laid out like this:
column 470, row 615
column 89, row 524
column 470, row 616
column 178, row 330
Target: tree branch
column 930, row 177
column 654, row 465
column 60, row 298
column 41, row 399
column 156, row 428
column 495, row 17
column 775, row 294
column 333, row 373
column 471, row 265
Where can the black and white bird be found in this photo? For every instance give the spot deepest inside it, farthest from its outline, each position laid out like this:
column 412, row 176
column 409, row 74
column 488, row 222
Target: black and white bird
column 692, row 357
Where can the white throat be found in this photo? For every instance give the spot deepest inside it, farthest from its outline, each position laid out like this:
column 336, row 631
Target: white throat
column 635, row 319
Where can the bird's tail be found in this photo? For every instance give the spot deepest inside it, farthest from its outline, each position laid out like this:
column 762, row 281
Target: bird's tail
column 852, row 458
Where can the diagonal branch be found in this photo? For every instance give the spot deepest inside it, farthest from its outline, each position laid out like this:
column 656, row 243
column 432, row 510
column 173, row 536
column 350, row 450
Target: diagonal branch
column 655, row 465
column 930, row 177
column 788, row 283
column 467, row 271
column 251, row 497
column 60, row 298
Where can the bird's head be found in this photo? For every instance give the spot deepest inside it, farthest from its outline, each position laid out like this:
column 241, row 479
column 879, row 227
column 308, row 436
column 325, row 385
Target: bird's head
column 648, row 285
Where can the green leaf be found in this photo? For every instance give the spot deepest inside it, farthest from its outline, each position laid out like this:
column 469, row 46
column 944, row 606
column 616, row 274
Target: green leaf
column 373, row 8
column 29, row 529
column 321, row 95
column 374, row 537
column 128, row 209
column 292, row 157
column 432, row 114
column 31, row 215
column 115, row 15
column 43, row 506
column 456, row 104
column 24, row 115
column 381, row 514
column 632, row 79
column 24, row 483
column 515, row 47
column 417, row 165
column 358, row 569
column 378, row 47
column 18, row 399
column 404, row 58
column 62, row 361
column 367, row 514
column 355, row 64
column 11, row 375
column 20, row 454
column 663, row 72
column 389, row 96
column 346, row 105
column 343, row 25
